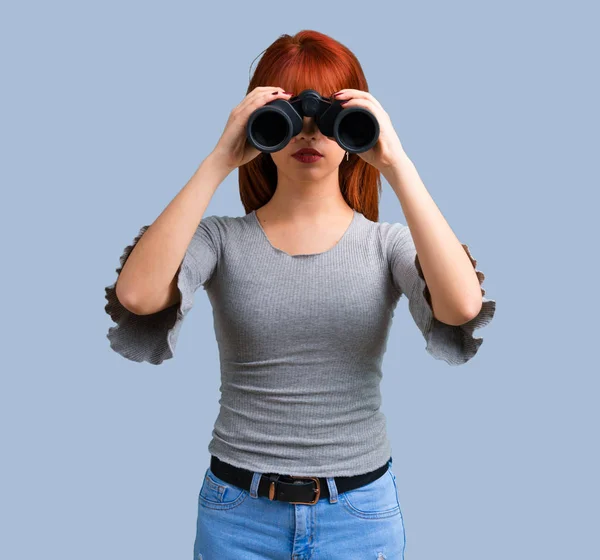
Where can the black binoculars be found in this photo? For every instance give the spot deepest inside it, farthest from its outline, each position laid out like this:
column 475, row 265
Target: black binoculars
column 272, row 126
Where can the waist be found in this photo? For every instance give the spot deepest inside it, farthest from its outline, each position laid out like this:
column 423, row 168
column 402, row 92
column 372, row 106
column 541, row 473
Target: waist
column 295, row 489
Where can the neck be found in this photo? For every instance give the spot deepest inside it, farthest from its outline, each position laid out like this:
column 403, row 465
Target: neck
column 307, row 201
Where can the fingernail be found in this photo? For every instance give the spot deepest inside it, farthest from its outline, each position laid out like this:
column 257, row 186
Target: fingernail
column 288, row 92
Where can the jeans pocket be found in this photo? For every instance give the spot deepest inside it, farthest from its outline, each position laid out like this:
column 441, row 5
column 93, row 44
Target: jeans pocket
column 215, row 493
column 376, row 499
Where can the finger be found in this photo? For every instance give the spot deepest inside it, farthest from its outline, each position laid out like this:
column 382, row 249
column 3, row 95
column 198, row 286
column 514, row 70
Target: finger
column 366, row 103
column 260, row 96
column 357, row 94
column 252, row 95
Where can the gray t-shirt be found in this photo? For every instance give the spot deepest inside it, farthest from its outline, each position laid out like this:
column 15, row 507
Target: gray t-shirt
column 301, row 340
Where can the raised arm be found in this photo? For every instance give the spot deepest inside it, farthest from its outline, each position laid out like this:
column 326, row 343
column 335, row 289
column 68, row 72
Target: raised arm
column 148, row 280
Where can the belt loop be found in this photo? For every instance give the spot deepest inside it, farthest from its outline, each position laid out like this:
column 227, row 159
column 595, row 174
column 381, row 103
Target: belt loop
column 333, row 492
column 254, row 484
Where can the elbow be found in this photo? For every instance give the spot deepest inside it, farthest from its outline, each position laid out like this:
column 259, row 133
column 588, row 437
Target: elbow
column 127, row 301
column 472, row 311
column 148, row 306
column 456, row 316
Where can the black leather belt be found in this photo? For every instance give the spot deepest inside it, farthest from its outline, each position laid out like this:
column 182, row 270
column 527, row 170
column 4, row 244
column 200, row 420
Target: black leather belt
column 291, row 488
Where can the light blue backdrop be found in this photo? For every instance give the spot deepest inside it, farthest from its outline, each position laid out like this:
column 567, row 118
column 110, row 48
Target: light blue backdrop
column 107, row 110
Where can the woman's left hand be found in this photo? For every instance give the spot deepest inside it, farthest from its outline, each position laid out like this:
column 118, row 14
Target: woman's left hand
column 388, row 150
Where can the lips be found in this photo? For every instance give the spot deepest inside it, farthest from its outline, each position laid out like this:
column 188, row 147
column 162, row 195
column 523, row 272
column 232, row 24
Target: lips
column 307, row 152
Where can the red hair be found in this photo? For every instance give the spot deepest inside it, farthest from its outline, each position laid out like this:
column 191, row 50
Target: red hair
column 310, row 59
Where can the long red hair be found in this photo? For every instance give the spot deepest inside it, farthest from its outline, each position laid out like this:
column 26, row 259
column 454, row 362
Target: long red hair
column 310, row 59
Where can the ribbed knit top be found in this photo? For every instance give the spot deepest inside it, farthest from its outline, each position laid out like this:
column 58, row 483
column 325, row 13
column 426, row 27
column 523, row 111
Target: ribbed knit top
column 301, row 340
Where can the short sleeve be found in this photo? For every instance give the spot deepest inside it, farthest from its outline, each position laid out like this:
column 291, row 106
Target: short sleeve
column 152, row 338
column 455, row 344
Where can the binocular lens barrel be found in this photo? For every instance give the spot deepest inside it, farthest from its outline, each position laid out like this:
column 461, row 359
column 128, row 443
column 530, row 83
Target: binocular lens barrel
column 272, row 126
column 270, row 129
column 357, row 130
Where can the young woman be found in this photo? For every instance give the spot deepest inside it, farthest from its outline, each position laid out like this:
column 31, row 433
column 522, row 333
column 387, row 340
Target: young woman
column 303, row 289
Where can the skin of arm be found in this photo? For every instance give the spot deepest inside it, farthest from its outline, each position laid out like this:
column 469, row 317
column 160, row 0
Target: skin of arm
column 450, row 276
column 453, row 284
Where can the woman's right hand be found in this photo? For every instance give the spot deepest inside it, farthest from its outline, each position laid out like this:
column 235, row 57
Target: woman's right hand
column 233, row 148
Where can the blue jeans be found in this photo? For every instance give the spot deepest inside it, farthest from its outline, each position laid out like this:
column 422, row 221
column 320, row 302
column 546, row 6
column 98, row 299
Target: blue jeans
column 361, row 524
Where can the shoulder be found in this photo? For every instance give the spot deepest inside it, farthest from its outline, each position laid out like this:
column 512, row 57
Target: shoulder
column 217, row 229
column 219, row 225
column 389, row 234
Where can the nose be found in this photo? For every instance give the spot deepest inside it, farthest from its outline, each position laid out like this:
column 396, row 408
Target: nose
column 309, row 128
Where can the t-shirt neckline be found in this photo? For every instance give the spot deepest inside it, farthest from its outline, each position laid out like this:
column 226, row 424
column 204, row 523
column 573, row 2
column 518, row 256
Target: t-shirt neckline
column 339, row 242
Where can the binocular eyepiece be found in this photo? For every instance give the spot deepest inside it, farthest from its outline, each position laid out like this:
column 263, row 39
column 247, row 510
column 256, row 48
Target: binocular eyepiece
column 272, row 126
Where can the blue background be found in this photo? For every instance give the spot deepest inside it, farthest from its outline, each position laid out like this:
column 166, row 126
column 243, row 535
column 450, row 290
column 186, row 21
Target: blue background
column 108, row 109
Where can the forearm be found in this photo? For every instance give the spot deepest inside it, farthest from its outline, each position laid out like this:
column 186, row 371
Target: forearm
column 156, row 257
column 450, row 276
